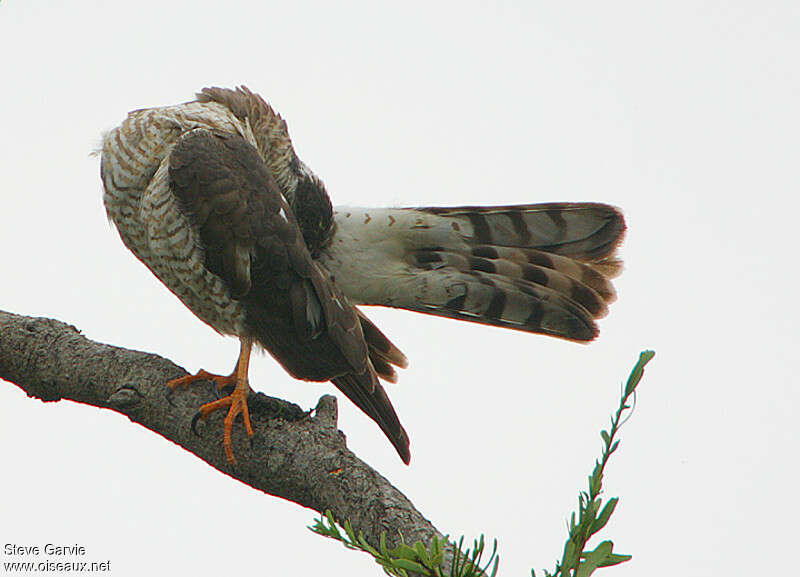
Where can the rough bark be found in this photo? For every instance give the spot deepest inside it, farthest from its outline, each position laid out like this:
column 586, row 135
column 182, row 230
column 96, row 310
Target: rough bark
column 292, row 455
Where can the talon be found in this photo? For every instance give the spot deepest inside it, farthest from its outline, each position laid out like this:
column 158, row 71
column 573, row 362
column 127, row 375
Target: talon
column 235, row 401
column 197, row 416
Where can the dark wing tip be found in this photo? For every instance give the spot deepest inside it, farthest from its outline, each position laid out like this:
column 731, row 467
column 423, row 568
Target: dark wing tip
column 405, row 454
column 368, row 394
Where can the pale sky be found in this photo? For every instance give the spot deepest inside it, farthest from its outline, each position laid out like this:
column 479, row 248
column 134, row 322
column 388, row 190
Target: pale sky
column 684, row 114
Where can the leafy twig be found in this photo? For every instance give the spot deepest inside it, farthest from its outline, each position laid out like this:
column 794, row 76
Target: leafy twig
column 416, row 559
column 592, row 517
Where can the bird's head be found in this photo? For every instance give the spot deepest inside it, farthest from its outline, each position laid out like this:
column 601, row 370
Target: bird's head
column 314, row 213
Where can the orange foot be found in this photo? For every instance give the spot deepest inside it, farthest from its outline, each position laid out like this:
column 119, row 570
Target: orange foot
column 221, row 381
column 236, row 402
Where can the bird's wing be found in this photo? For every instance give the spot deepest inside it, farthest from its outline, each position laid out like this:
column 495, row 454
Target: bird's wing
column 303, row 191
column 543, row 268
column 251, row 240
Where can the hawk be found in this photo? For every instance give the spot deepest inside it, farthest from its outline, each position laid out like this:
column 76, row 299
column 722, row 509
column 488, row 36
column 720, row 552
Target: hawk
column 211, row 197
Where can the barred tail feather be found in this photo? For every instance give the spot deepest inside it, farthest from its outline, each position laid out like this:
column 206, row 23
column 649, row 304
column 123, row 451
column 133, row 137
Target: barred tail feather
column 543, row 268
column 495, row 300
column 586, row 231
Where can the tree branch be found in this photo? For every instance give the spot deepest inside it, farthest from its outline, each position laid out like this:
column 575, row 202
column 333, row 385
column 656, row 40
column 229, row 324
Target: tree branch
column 292, row 455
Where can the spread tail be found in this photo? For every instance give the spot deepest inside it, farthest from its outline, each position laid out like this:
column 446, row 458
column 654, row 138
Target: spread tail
column 542, row 268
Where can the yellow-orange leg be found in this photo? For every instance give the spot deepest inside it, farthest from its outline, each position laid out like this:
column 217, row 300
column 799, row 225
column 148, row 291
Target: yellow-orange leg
column 236, row 401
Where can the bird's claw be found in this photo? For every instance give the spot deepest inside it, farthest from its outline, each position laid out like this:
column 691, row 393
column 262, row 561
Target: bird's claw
column 197, row 417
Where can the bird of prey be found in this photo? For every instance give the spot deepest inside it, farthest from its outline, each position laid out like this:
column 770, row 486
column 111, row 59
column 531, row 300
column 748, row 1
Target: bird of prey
column 210, row 195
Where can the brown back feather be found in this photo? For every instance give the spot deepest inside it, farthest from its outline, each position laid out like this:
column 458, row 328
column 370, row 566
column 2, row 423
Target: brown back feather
column 269, row 129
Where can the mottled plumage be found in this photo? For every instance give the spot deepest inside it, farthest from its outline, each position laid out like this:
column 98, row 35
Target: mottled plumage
column 211, row 196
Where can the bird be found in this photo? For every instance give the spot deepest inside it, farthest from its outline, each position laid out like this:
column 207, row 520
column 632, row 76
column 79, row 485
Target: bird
column 210, row 195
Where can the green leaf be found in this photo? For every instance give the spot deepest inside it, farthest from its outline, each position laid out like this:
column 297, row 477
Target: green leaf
column 366, row 546
column 602, row 556
column 638, row 370
column 437, row 560
column 457, row 563
column 403, row 551
column 569, row 553
column 596, row 483
column 332, row 525
column 348, row 528
column 602, row 551
column 604, row 516
column 591, row 560
column 318, row 527
column 409, row 565
column 422, row 553
column 493, row 557
column 388, row 566
column 615, row 559
column 436, row 546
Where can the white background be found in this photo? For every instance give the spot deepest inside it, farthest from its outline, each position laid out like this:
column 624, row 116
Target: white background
column 684, row 114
